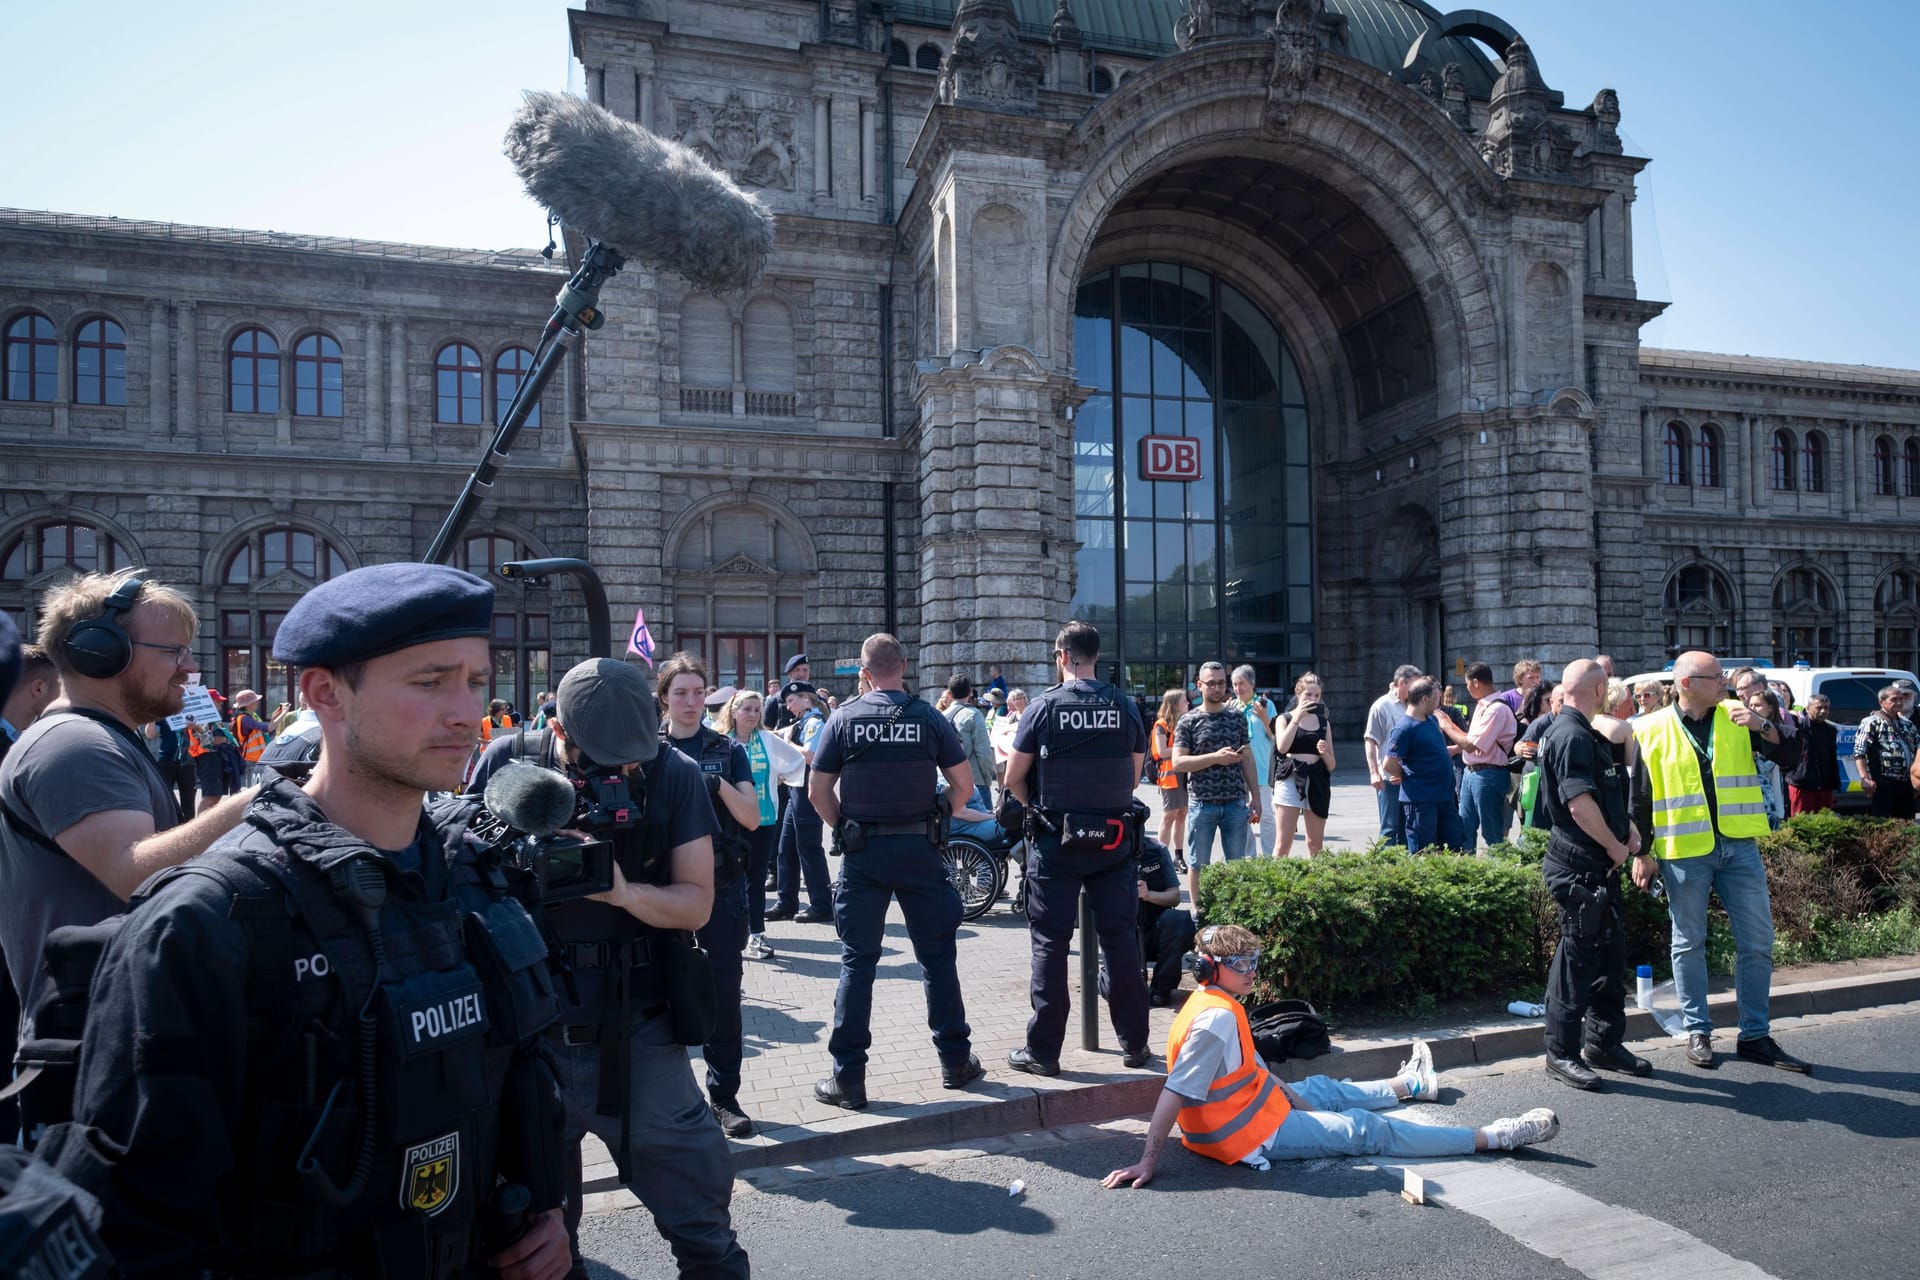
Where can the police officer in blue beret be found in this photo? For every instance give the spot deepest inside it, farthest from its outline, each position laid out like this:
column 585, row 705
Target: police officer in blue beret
column 315, row 1049
column 882, row 750
column 1073, row 763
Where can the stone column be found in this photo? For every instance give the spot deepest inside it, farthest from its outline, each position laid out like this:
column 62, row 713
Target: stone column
column 996, row 578
column 373, row 429
column 186, row 371
column 616, row 95
column 397, row 385
column 643, row 97
column 159, row 372
column 822, row 150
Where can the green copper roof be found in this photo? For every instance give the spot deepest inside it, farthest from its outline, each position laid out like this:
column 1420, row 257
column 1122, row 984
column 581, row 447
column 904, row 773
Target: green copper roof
column 1379, row 32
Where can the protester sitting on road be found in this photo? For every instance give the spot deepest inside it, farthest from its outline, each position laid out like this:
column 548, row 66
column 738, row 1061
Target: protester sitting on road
column 1232, row 1109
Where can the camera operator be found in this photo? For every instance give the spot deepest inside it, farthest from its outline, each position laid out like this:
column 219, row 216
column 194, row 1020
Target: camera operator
column 728, row 775
column 883, row 749
column 299, row 1057
column 629, row 998
column 87, row 814
column 1075, row 758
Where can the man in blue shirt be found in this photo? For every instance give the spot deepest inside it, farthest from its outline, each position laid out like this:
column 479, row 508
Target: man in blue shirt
column 1416, row 758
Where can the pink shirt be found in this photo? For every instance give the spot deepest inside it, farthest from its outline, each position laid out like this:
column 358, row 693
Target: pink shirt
column 1491, row 733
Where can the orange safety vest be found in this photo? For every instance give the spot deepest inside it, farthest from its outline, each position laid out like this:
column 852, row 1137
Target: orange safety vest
column 252, row 745
column 487, row 726
column 195, row 747
column 1165, row 778
column 1243, row 1108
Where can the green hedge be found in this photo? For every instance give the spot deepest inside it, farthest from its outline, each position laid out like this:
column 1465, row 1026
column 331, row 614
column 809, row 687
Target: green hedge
column 1384, row 928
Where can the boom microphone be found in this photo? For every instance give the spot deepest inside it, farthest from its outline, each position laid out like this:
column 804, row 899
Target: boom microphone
column 653, row 200
column 530, row 799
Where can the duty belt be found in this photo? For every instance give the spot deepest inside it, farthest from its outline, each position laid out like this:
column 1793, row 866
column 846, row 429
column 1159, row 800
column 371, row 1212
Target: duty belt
column 603, row 955
column 894, row 828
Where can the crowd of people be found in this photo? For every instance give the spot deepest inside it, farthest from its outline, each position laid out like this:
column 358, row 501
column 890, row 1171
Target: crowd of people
column 352, row 1025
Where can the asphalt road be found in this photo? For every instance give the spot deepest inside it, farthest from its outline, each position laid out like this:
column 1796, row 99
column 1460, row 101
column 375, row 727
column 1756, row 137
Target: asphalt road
column 1736, row 1172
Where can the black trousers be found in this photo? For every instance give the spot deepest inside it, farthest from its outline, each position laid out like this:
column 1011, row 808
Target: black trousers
column 1053, row 908
column 1892, row 798
column 1587, row 983
column 1164, row 947
column 724, row 936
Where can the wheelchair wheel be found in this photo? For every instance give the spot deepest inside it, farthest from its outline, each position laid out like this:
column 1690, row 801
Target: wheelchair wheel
column 975, row 874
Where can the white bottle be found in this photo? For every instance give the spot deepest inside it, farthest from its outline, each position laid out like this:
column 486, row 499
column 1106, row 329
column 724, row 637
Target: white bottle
column 1521, row 1009
column 1643, row 996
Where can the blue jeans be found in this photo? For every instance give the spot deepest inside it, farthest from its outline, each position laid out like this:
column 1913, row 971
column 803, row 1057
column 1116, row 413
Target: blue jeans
column 1735, row 872
column 1483, row 804
column 1229, row 818
column 1392, row 824
column 1342, row 1123
column 1431, row 823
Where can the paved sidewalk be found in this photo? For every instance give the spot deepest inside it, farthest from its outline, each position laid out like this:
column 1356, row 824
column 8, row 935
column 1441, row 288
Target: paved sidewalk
column 788, row 1014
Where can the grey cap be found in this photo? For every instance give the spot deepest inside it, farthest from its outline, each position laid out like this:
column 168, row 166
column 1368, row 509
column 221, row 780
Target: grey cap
column 606, row 709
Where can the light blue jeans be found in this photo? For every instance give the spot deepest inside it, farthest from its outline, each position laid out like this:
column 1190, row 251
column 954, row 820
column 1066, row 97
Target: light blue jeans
column 1343, row 1123
column 1483, row 804
column 1735, row 872
column 1229, row 818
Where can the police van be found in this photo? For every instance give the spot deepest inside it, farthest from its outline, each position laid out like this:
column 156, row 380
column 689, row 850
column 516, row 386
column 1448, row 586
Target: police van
column 1855, row 695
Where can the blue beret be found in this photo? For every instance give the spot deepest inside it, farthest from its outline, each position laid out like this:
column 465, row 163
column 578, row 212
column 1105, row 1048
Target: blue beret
column 381, row 609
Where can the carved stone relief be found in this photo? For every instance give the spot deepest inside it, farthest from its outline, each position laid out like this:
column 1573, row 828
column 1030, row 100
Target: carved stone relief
column 1549, row 313
column 754, row 147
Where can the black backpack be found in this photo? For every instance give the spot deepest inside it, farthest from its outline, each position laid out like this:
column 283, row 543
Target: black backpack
column 1289, row 1029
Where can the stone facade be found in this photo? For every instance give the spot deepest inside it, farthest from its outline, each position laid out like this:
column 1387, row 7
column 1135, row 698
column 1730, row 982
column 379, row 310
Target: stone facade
column 879, row 434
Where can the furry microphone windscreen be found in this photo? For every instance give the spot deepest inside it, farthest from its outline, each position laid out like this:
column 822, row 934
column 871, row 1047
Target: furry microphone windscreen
column 528, row 798
column 653, row 200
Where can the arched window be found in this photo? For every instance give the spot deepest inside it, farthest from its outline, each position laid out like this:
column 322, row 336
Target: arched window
column 31, row 356
column 1813, row 455
column 897, row 55
column 927, row 57
column 1101, row 81
column 740, row 591
column 1805, row 619
column 1784, row 456
column 706, row 356
column 1883, row 467
column 74, row 544
column 317, row 377
column 1896, row 620
column 253, row 372
column 1910, row 464
column 510, row 367
column 261, row 579
column 522, row 640
column 1699, row 610
column 100, row 363
column 1676, row 453
column 1706, row 470
column 456, row 384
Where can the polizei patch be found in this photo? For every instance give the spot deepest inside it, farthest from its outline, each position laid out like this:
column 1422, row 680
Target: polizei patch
column 432, row 1022
column 864, row 731
column 430, row 1174
column 1085, row 719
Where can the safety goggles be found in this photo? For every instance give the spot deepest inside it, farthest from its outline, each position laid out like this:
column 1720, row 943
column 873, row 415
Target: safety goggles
column 1242, row 965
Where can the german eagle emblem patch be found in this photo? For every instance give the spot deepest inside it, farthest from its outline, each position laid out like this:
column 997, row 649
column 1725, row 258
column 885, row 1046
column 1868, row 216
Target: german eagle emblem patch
column 430, row 1175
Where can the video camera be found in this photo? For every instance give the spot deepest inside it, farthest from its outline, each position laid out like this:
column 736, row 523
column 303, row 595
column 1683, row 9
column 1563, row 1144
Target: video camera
column 565, row 831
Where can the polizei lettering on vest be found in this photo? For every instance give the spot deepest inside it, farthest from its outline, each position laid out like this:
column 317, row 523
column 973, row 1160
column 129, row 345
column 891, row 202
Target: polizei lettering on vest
column 447, row 1017
column 1083, row 719
column 879, row 731
column 67, row 1253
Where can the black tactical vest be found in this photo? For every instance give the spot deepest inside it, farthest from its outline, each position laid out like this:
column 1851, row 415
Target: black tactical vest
column 888, row 747
column 1085, row 760
column 461, row 986
column 713, row 752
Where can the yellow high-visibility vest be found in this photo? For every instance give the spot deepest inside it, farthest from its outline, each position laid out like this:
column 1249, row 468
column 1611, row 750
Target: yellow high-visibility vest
column 1683, row 827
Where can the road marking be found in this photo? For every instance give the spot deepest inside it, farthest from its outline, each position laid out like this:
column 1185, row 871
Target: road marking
column 1596, row 1239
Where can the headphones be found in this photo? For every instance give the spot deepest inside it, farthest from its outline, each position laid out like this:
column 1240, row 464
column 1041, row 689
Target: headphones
column 99, row 648
column 1205, row 967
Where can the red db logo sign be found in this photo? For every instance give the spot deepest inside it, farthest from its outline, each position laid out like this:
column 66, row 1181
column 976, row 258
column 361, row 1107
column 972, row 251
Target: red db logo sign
column 1169, row 458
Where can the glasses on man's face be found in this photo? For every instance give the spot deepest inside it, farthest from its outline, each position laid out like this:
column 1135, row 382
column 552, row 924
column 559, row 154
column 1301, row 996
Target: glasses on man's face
column 182, row 653
column 1213, row 684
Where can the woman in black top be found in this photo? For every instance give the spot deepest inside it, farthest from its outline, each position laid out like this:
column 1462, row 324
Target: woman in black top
column 1303, row 739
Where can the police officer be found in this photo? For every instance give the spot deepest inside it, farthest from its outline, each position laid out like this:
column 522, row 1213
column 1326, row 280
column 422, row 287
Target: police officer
column 1583, row 793
column 882, row 749
column 728, row 776
column 1079, row 748
column 626, row 1020
column 302, row 1055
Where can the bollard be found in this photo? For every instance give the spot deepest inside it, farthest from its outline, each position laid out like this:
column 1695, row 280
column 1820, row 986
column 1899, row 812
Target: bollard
column 1089, row 977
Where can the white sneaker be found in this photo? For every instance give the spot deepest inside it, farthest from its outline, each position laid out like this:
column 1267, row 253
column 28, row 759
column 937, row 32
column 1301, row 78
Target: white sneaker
column 1417, row 1073
column 1510, row 1132
column 757, row 948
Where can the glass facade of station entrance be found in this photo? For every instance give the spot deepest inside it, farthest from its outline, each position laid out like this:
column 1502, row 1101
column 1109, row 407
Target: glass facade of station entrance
column 1178, row 572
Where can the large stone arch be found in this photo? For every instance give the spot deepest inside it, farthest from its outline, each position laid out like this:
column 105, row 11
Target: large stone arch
column 1381, row 145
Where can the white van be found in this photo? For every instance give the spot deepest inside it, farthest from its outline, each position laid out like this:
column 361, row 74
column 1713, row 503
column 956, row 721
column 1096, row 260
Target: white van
column 1854, row 693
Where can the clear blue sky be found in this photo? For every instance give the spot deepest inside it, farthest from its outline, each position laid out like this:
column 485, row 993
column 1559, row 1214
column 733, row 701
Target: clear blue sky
column 1778, row 215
